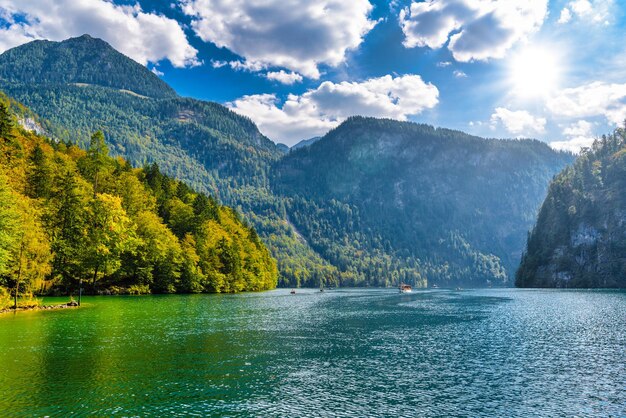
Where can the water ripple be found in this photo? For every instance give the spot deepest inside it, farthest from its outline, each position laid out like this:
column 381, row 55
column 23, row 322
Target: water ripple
column 343, row 353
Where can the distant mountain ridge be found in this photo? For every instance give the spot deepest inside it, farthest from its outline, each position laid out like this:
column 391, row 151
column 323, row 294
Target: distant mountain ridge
column 375, row 202
column 451, row 206
column 306, row 142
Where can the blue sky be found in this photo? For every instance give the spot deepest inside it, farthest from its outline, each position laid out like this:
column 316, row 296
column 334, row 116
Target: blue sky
column 552, row 70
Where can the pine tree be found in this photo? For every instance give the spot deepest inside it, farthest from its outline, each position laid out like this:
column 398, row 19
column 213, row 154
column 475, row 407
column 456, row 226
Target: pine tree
column 40, row 174
column 65, row 222
column 6, row 122
column 97, row 159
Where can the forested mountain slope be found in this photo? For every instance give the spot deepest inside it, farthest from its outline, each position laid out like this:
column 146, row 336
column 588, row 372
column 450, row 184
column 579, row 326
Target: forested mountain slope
column 429, row 202
column 83, row 60
column 68, row 214
column 373, row 203
column 579, row 239
column 82, row 85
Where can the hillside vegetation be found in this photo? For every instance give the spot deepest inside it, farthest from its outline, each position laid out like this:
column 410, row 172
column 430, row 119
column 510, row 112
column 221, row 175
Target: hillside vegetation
column 68, row 214
column 579, row 239
column 387, row 201
column 83, row 85
column 373, row 203
column 79, row 61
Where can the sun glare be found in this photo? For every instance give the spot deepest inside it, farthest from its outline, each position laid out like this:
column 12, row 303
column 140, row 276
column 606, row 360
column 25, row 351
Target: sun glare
column 535, row 72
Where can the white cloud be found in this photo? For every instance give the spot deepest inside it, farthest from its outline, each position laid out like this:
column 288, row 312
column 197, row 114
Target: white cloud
column 595, row 11
column 218, row 63
column 565, row 16
column 572, row 145
column 284, row 77
column 473, row 29
column 518, row 121
column 295, row 34
column 247, row 66
column 581, row 7
column 459, row 74
column 156, row 72
column 145, row 37
column 238, row 65
column 580, row 128
column 579, row 135
column 589, row 100
column 316, row 111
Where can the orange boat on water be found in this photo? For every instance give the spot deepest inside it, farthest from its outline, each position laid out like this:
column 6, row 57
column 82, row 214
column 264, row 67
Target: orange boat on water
column 405, row 288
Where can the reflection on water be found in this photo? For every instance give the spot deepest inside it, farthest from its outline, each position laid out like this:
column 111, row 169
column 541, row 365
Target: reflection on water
column 337, row 353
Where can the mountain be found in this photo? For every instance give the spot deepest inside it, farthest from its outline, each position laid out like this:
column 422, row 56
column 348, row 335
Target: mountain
column 433, row 203
column 68, row 214
column 82, row 85
column 306, row 142
column 374, row 202
column 83, row 60
column 282, row 148
column 579, row 239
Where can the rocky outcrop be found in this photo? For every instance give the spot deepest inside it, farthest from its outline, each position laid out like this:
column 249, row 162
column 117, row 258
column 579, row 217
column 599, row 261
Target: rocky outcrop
column 580, row 236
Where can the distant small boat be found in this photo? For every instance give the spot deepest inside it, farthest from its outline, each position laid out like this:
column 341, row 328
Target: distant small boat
column 293, row 291
column 435, row 286
column 406, row 288
column 459, row 288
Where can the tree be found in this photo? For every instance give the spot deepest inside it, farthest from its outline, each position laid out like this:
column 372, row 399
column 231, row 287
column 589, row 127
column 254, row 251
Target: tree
column 39, row 174
column 6, row 122
column 192, row 278
column 97, row 159
column 109, row 234
column 32, row 256
column 65, row 222
column 231, row 264
column 159, row 252
column 135, row 197
column 205, row 208
column 181, row 217
column 9, row 224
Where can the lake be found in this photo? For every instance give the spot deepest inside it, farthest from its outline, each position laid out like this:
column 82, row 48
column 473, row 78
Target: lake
column 492, row 352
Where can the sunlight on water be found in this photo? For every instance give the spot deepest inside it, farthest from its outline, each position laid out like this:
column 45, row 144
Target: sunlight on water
column 338, row 353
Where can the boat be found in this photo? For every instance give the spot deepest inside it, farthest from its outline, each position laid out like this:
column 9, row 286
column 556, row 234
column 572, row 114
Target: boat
column 435, row 286
column 405, row 288
column 293, row 291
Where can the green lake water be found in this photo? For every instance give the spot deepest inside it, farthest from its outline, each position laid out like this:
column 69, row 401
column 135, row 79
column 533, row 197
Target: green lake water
column 338, row 353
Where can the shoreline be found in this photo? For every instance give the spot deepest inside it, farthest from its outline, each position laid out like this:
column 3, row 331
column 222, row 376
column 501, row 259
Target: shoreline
column 40, row 308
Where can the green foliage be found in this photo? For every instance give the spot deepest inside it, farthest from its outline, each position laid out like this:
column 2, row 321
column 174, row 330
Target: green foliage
column 6, row 122
column 373, row 203
column 209, row 147
column 82, row 60
column 95, row 163
column 579, row 239
column 68, row 214
column 9, row 224
column 388, row 202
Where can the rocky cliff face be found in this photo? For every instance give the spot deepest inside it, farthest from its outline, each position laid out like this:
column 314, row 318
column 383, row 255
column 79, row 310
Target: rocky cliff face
column 580, row 236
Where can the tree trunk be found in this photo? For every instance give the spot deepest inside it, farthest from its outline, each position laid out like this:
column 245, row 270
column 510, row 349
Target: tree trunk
column 19, row 273
column 93, row 281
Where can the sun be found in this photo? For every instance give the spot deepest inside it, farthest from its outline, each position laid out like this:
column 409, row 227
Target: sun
column 535, row 72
